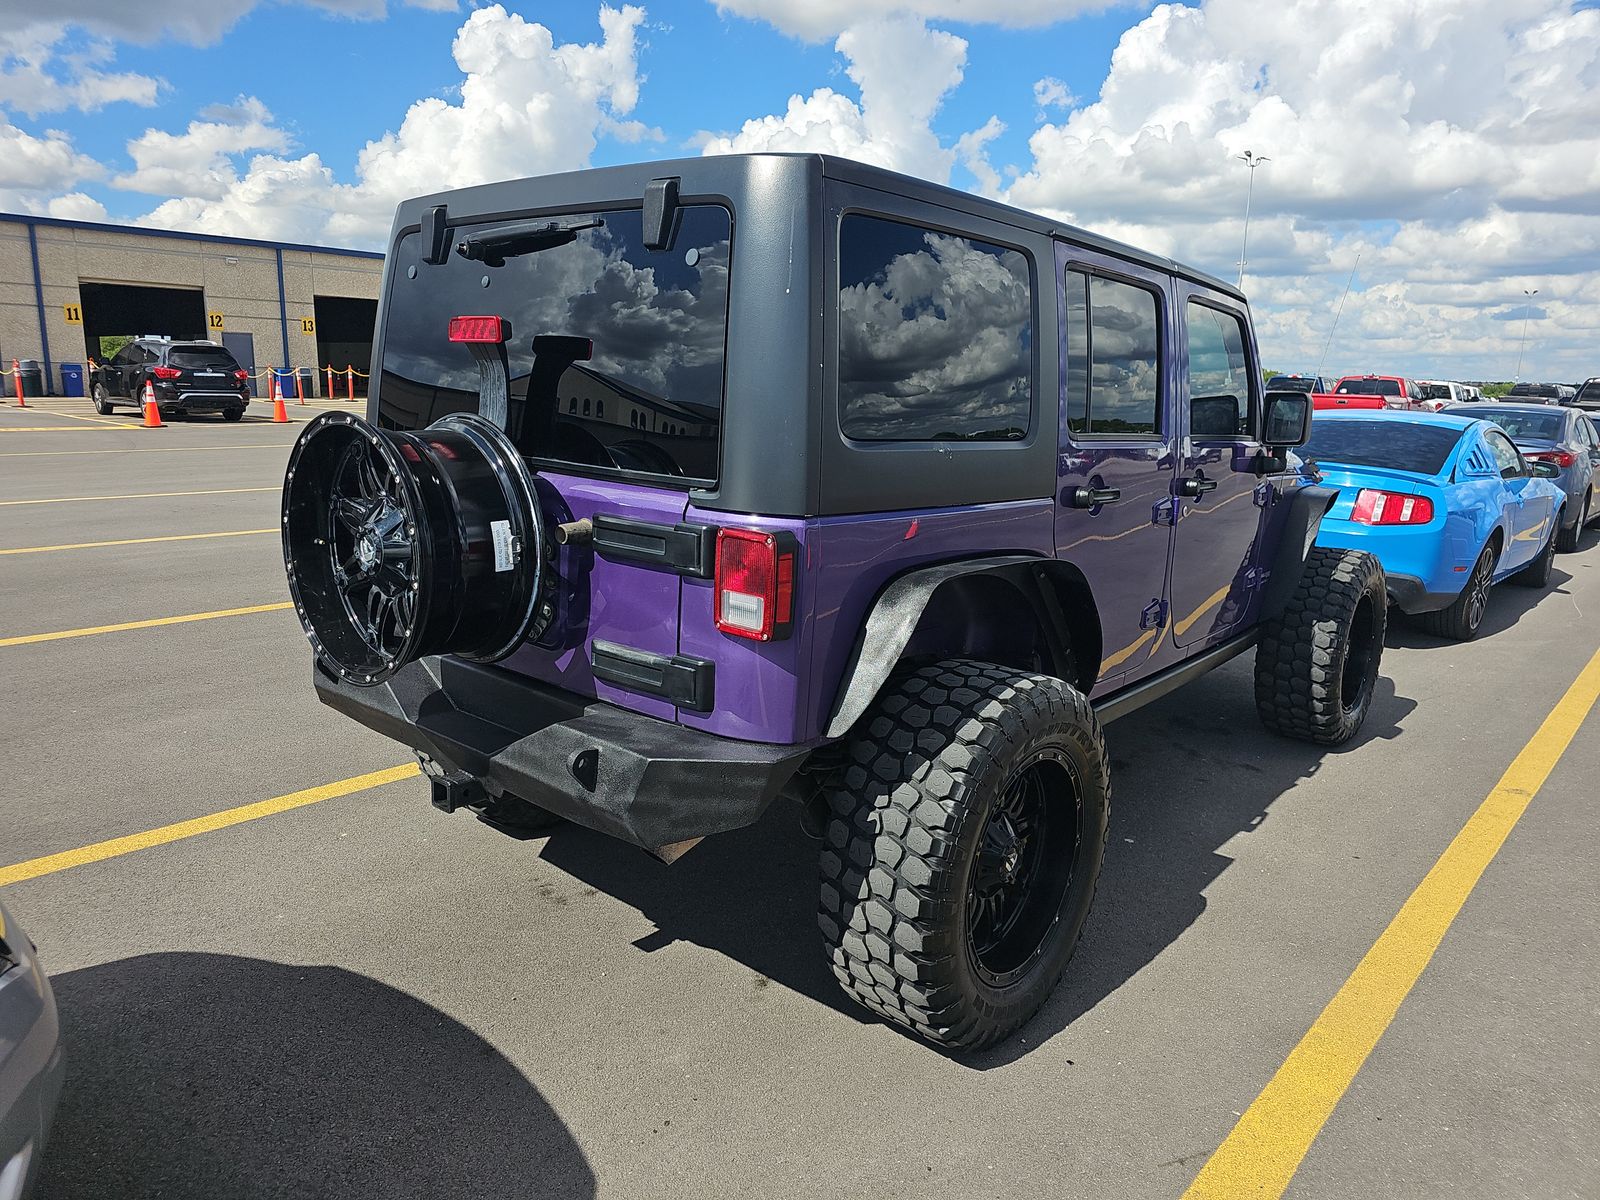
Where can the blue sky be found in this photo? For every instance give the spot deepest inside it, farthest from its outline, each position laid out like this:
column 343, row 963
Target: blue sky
column 335, row 81
column 1454, row 145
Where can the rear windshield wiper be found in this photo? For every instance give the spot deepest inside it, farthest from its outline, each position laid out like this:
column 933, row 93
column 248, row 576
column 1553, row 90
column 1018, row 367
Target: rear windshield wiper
column 510, row 241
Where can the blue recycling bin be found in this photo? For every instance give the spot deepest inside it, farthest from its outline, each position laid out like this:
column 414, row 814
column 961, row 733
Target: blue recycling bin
column 72, row 379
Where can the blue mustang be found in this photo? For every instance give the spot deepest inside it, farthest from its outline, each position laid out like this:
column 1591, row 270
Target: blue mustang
column 1447, row 504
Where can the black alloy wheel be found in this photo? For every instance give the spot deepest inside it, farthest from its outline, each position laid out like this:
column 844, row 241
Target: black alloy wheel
column 1025, row 863
column 377, row 558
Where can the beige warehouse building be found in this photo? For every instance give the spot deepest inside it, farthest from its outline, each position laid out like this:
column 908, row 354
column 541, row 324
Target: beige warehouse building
column 67, row 287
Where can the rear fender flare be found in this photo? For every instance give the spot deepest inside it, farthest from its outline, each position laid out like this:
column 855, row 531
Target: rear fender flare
column 1056, row 593
column 1296, row 536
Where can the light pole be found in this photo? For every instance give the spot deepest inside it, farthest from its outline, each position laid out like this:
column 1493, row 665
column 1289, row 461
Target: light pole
column 1527, row 311
column 1252, row 161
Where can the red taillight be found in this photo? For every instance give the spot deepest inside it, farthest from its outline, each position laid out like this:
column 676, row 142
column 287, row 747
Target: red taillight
column 241, row 375
column 489, row 330
column 1562, row 458
column 165, row 372
column 1391, row 508
column 754, row 584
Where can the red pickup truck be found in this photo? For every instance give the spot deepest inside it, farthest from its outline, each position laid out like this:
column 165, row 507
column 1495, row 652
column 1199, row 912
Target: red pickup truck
column 1346, row 400
column 1395, row 391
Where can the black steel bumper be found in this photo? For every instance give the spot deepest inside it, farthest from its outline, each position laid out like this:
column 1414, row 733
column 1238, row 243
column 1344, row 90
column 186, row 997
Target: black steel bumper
column 646, row 781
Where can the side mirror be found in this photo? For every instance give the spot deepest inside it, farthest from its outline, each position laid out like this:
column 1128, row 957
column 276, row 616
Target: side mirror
column 1287, row 420
column 1545, row 470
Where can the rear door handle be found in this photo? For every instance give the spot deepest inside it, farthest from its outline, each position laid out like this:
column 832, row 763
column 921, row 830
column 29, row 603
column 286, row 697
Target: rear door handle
column 1092, row 497
column 1196, row 485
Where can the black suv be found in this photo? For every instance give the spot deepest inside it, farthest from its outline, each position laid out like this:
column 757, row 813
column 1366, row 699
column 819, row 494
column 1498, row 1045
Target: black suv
column 186, row 376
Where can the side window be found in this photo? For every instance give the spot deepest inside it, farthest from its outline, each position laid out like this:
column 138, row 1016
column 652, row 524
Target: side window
column 1113, row 357
column 935, row 335
column 1505, row 456
column 125, row 357
column 1221, row 395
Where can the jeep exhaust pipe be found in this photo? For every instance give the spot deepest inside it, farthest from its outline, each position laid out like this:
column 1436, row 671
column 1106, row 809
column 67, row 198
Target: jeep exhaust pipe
column 399, row 545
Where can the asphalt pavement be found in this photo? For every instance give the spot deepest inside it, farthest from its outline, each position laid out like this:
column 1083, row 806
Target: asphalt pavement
column 362, row 996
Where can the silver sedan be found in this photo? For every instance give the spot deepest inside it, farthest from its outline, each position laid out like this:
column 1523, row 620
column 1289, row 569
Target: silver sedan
column 30, row 1060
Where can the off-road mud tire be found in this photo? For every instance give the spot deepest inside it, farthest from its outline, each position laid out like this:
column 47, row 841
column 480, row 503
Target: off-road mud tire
column 1317, row 663
column 923, row 774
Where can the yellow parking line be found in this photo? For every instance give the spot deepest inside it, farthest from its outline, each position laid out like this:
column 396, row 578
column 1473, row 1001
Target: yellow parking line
column 33, row 868
column 138, row 496
column 148, row 450
column 67, row 428
column 1264, row 1150
column 30, row 638
column 96, row 420
column 171, row 537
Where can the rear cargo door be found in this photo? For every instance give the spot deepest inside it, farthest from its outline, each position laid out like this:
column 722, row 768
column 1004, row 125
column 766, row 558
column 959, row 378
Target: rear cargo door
column 203, row 368
column 614, row 354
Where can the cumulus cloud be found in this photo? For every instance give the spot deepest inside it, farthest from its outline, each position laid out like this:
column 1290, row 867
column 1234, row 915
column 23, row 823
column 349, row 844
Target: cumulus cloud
column 34, row 167
column 903, row 70
column 528, row 106
column 197, row 162
column 816, row 20
column 1384, row 142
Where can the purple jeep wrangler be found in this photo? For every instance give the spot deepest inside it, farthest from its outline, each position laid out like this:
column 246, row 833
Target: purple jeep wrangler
column 689, row 485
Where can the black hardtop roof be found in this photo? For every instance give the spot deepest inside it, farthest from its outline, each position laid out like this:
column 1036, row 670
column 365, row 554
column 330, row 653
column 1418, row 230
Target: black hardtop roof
column 633, row 176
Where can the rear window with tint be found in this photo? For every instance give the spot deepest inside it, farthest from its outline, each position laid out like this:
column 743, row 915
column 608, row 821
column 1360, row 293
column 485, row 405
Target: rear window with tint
column 1368, row 387
column 1534, row 426
column 1396, row 445
column 202, row 359
column 935, row 335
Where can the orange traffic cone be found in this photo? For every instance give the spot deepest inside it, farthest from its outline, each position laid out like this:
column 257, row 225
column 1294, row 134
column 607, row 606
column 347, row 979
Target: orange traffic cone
column 278, row 413
column 152, row 414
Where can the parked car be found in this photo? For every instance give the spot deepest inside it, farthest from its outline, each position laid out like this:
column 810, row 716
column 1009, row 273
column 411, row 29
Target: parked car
column 1588, row 398
column 1297, row 383
column 1396, row 390
column 187, row 377
column 1436, row 394
column 1321, row 400
column 750, row 523
column 1534, row 393
column 31, row 1064
column 1447, row 504
column 1563, row 436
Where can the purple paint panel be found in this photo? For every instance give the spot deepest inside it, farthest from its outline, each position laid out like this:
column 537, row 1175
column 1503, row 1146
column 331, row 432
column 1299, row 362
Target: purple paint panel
column 615, row 602
column 763, row 688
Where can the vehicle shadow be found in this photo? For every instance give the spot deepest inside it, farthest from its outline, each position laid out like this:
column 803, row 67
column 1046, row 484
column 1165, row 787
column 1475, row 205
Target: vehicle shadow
column 1189, row 772
column 211, row 1075
column 1508, row 604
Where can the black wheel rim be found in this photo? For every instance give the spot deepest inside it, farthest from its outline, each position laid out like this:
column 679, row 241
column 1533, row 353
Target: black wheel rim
column 1024, row 867
column 376, row 557
column 1358, row 657
column 1478, row 590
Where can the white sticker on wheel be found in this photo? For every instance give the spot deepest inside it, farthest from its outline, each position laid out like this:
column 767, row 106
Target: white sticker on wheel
column 504, row 556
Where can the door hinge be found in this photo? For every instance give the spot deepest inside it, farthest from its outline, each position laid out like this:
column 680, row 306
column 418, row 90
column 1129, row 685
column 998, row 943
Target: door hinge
column 1154, row 615
column 1164, row 511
